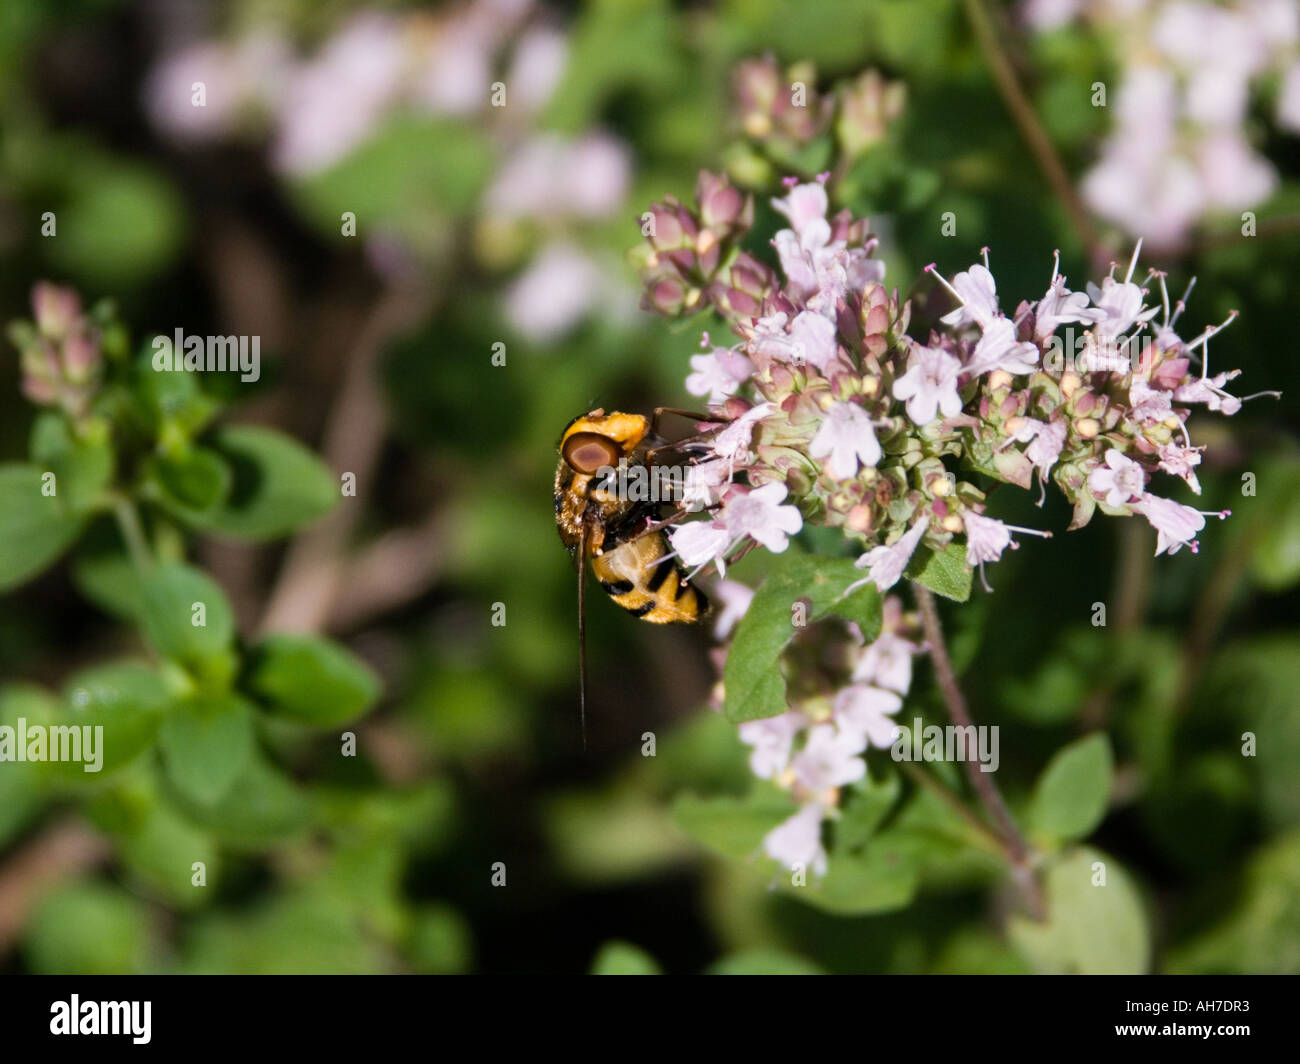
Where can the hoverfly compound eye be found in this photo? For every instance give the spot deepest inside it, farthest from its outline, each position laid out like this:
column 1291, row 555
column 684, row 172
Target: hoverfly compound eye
column 587, row 452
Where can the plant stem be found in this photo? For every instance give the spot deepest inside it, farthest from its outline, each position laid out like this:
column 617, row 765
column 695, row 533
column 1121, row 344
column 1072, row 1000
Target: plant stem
column 925, row 779
column 128, row 521
column 1022, row 113
column 981, row 782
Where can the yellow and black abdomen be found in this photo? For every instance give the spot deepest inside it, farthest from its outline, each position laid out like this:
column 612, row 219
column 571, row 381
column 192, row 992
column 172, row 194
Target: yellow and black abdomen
column 640, row 577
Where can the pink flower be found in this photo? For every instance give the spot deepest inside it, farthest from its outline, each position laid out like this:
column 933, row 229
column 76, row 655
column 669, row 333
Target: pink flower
column 335, row 101
column 735, row 598
column 1176, row 525
column 846, row 437
column 986, row 538
column 930, row 384
column 998, row 348
column 1120, row 303
column 887, row 663
column 829, row 759
column 732, row 443
column 701, row 542
column 1059, row 306
column 554, row 294
column 1148, row 404
column 978, row 293
column 797, row 843
column 805, row 207
column 812, row 340
column 1180, row 461
column 1047, row 445
column 550, row 177
column 1120, row 479
column 760, row 515
column 864, row 712
column 818, row 269
column 537, row 66
column 705, row 483
column 772, row 740
column 719, row 374
column 1209, row 390
column 885, row 565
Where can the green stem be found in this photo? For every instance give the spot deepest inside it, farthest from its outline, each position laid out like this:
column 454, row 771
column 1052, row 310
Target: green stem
column 137, row 546
column 990, row 841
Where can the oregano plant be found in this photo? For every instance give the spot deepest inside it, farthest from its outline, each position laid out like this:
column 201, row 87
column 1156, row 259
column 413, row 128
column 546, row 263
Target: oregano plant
column 174, row 746
column 839, row 406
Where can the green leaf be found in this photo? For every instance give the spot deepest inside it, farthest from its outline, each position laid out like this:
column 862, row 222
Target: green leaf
column 440, row 941
column 173, row 621
column 304, row 932
column 616, row 45
column 1092, row 928
column 311, row 679
column 82, row 467
column 764, row 962
column 945, row 573
column 189, row 484
column 122, row 224
column 1275, row 555
column 1258, row 679
column 412, row 170
column 34, row 528
column 20, row 781
column 1070, row 798
column 1260, row 933
column 161, row 852
column 263, row 806
column 174, row 404
column 206, row 745
column 623, row 958
column 864, row 806
column 881, row 877
column 103, row 573
column 128, row 700
column 278, row 485
column 733, row 827
column 752, row 676
column 87, row 929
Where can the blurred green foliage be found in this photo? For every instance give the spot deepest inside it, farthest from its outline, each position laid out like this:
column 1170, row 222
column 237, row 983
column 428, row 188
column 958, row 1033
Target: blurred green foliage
column 226, row 743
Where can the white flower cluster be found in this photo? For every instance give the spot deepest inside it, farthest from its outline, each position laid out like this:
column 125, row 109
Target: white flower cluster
column 817, row 748
column 1179, row 149
column 315, row 109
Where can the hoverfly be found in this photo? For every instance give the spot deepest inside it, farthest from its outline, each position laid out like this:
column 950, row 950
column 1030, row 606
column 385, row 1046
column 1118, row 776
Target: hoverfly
column 623, row 538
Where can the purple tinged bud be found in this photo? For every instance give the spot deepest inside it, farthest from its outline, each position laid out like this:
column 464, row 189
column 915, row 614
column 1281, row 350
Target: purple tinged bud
column 80, row 359
column 666, row 296
column 867, row 107
column 57, row 309
column 667, row 233
column 722, row 206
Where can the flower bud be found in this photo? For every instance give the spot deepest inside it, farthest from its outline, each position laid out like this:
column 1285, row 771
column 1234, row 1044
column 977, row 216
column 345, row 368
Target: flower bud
column 56, row 309
column 867, row 106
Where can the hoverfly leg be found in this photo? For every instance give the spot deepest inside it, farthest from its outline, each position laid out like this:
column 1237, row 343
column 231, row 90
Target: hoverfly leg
column 661, row 410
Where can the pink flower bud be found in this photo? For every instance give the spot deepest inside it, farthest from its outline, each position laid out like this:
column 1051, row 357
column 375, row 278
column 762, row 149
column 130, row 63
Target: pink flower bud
column 56, row 308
